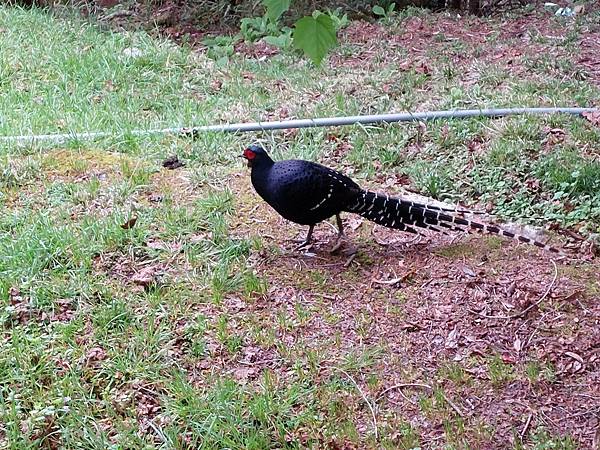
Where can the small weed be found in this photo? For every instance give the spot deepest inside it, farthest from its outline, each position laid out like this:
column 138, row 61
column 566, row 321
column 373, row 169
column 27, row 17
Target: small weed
column 542, row 440
column 536, row 372
column 358, row 360
column 569, row 174
column 318, row 278
column 499, row 371
column 430, row 179
column 456, row 373
column 195, row 332
column 225, row 335
column 454, row 430
column 220, row 48
column 385, row 10
column 18, row 172
column 254, row 285
column 303, row 315
column 403, row 437
column 363, row 324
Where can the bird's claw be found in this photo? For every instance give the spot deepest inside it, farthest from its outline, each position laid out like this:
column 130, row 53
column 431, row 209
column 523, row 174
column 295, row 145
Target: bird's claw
column 305, row 245
column 338, row 244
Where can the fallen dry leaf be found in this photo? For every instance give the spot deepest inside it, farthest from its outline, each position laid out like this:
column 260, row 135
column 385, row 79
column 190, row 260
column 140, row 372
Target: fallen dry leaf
column 95, row 354
column 130, row 223
column 518, row 345
column 354, row 222
column 452, row 339
column 467, row 270
column 146, row 276
column 593, row 117
column 242, row 374
column 575, row 356
column 14, row 295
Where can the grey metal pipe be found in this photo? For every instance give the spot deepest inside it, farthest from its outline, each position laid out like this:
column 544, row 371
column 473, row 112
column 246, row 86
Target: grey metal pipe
column 303, row 123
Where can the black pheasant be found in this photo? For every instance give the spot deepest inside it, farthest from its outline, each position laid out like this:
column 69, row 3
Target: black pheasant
column 308, row 193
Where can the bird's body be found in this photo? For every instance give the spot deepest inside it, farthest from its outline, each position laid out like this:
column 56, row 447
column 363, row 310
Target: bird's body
column 302, row 191
column 307, row 193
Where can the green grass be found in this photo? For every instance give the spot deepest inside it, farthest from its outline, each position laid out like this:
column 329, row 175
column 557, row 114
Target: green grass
column 92, row 358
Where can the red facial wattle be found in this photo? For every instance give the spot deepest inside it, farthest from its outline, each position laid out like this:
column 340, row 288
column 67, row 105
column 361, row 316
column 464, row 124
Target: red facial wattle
column 249, row 154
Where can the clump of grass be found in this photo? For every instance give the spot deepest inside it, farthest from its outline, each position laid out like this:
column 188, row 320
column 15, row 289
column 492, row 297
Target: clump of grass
column 456, row 373
column 15, row 173
column 499, row 371
column 568, row 174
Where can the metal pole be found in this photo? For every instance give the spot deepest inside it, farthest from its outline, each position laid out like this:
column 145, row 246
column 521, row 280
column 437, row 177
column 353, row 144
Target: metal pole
column 303, row 123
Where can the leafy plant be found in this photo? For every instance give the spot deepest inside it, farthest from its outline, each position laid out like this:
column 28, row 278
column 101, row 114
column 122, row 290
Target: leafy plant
column 220, row 48
column 315, row 35
column 284, row 40
column 276, row 8
column 384, row 11
column 255, row 28
column 339, row 21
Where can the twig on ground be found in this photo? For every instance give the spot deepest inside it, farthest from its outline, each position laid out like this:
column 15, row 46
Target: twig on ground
column 526, row 427
column 454, row 407
column 406, row 398
column 402, row 385
column 373, row 415
column 426, row 386
column 331, row 225
column 526, row 310
column 390, row 282
column 349, row 260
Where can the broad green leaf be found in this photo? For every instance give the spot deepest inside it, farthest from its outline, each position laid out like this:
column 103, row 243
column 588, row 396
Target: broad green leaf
column 378, row 10
column 281, row 41
column 315, row 36
column 275, row 8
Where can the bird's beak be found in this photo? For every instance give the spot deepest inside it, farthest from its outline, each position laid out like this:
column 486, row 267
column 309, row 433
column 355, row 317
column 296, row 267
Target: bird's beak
column 248, row 163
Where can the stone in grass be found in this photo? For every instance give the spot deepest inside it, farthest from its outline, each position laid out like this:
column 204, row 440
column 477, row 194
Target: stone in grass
column 173, row 162
column 150, row 277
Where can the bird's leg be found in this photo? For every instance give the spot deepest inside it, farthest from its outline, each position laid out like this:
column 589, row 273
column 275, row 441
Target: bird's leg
column 340, row 225
column 308, row 239
column 340, row 235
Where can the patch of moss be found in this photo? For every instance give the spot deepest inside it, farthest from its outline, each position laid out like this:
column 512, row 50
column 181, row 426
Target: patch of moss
column 64, row 162
column 454, row 251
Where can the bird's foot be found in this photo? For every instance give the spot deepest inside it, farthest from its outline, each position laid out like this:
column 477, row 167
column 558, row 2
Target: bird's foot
column 304, row 245
column 339, row 243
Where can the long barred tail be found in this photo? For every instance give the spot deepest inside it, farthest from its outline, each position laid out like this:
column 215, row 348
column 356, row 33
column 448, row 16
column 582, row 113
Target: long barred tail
column 405, row 215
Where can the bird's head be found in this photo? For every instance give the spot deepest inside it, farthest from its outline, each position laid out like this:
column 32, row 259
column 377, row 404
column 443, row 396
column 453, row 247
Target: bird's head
column 256, row 156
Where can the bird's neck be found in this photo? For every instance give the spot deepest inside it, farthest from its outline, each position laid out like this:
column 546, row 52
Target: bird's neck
column 262, row 165
column 259, row 174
